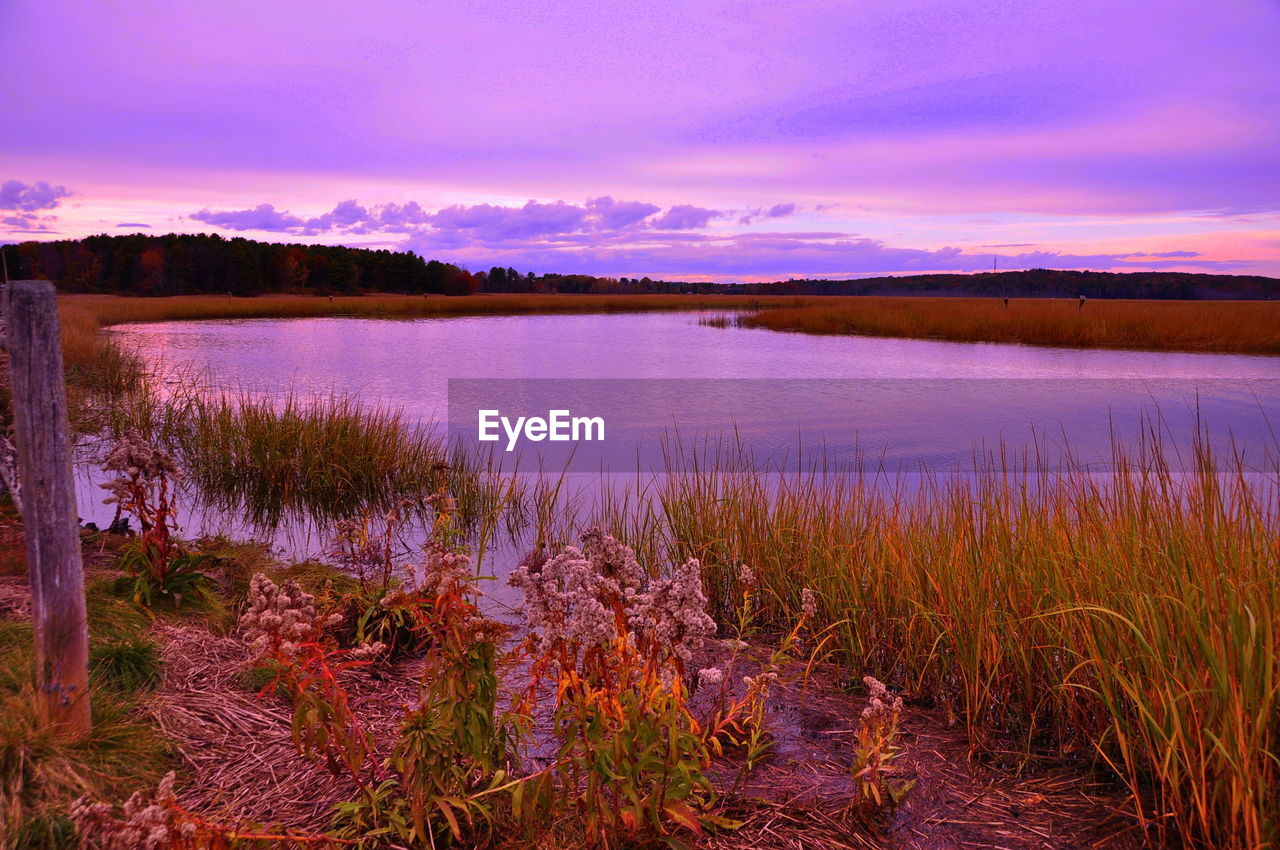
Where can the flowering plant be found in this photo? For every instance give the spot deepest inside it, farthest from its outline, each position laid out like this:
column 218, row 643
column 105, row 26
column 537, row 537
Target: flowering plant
column 876, row 745
column 616, row 645
column 143, row 488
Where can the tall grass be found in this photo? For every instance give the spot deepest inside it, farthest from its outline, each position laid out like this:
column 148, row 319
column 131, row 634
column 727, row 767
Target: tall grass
column 41, row 771
column 1131, row 618
column 1238, row 326
column 328, row 457
column 105, row 310
column 319, row 459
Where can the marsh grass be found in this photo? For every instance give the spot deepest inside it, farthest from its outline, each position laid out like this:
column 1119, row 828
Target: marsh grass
column 128, row 665
column 328, row 457
column 1237, row 326
column 273, row 459
column 1127, row 618
column 41, row 772
column 84, row 313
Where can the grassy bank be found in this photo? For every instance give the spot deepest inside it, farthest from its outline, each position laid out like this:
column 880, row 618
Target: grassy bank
column 41, row 771
column 105, row 310
column 1230, row 326
column 1128, row 621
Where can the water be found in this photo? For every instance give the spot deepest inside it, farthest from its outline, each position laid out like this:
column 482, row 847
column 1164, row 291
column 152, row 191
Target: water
column 904, row 402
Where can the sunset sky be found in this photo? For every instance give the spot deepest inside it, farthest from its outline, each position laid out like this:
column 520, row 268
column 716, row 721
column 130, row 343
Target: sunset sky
column 681, row 140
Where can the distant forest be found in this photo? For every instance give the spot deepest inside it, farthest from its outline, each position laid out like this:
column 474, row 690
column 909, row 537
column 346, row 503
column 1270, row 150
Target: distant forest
column 187, row 264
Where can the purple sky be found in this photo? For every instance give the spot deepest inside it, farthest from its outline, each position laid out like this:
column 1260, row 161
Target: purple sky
column 730, row 141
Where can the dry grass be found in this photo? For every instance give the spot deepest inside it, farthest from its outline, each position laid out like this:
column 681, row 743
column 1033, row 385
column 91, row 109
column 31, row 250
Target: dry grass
column 1236, row 326
column 1131, row 618
column 41, row 772
column 99, row 311
column 242, row 766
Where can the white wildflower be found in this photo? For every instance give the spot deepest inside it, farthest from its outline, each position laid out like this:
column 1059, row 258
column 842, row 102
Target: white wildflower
column 881, row 705
column 144, row 823
column 808, row 604
column 368, row 651
column 445, row 570
column 281, row 617
column 672, row 612
column 574, row 600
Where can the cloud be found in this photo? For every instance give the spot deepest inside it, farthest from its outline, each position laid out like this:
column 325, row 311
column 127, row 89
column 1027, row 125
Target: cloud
column 615, row 215
column 402, row 216
column 775, row 211
column 16, row 195
column 484, row 223
column 491, row 223
column 605, row 236
column 262, row 217
column 134, row 224
column 770, row 256
column 684, row 217
column 24, row 201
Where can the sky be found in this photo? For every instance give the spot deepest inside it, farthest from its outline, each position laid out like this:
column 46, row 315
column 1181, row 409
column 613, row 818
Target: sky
column 681, row 140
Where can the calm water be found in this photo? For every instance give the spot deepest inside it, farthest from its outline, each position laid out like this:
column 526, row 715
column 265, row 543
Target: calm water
column 409, row 361
column 904, row 402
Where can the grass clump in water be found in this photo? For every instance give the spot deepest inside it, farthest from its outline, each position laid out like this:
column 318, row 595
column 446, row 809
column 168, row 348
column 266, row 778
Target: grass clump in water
column 325, row 458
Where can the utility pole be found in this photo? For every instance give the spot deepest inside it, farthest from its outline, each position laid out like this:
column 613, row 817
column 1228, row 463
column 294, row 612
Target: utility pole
column 54, row 565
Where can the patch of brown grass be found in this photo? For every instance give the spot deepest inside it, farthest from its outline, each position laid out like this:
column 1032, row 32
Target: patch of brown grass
column 82, row 312
column 1230, row 326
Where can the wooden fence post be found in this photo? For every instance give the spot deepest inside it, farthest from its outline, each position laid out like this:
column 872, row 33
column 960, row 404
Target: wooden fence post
column 48, row 505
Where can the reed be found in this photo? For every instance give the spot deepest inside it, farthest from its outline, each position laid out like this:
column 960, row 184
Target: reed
column 326, row 458
column 42, row 771
column 1128, row 618
column 1235, row 326
column 99, row 311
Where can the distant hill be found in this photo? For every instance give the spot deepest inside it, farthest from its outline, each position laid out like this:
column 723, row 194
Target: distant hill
column 185, row 264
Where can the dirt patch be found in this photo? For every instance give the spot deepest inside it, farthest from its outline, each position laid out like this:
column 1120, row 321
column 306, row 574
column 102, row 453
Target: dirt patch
column 799, row 797
column 242, row 765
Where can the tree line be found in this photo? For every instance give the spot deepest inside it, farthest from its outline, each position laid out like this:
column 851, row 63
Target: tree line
column 191, row 264
column 186, row 264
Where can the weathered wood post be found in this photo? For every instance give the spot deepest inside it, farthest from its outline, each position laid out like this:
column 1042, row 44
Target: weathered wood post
column 48, row 505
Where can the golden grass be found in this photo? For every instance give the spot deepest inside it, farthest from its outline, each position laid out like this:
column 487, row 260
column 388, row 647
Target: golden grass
column 1131, row 618
column 105, row 310
column 1230, row 326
